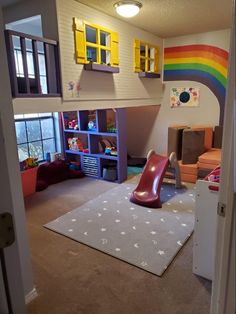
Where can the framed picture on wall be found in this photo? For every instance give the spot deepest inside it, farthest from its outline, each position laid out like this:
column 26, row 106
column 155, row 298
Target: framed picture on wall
column 184, row 97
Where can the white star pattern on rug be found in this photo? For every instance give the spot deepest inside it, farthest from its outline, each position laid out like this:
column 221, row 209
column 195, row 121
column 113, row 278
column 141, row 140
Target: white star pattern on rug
column 146, row 237
column 104, row 241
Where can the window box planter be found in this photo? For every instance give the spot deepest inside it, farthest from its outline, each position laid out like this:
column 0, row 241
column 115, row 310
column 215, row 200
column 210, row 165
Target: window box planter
column 149, row 75
column 101, row 68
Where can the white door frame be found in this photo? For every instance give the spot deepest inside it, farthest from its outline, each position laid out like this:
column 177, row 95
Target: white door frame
column 17, row 257
column 223, row 291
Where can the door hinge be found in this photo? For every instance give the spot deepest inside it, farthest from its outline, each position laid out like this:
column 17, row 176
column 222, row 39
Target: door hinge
column 221, row 209
column 7, row 234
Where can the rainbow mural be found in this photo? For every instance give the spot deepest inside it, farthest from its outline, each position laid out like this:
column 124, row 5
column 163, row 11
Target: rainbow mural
column 202, row 63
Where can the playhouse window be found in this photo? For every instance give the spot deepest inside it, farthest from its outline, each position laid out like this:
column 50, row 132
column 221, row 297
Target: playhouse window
column 35, row 134
column 146, row 57
column 98, row 48
column 95, row 43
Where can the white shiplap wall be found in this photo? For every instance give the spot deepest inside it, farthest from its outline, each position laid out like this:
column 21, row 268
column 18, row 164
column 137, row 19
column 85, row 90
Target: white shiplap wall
column 122, row 89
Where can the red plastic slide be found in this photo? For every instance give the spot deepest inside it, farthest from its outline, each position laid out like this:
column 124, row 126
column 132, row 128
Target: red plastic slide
column 147, row 193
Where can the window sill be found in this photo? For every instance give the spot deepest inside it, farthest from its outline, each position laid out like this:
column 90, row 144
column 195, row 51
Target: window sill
column 149, row 75
column 101, row 68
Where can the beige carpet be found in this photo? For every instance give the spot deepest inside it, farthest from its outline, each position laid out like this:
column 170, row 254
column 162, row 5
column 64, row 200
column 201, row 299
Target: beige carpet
column 144, row 237
column 72, row 278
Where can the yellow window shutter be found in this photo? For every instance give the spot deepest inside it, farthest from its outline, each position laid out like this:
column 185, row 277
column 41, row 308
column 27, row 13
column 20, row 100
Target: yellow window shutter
column 80, row 43
column 156, row 60
column 114, row 49
column 136, row 55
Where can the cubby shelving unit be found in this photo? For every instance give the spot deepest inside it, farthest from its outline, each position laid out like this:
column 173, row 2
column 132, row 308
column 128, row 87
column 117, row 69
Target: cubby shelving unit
column 87, row 145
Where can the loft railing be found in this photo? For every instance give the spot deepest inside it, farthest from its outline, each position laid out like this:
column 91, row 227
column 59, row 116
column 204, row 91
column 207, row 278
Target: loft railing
column 33, row 65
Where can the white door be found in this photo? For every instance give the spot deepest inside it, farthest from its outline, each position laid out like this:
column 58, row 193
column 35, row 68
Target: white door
column 12, row 298
column 12, row 294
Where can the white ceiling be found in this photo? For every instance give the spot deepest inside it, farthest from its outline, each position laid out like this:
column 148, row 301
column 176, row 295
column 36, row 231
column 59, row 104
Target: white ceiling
column 170, row 18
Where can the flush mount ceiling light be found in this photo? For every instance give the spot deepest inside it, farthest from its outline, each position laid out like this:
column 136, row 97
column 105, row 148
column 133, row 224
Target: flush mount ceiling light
column 127, row 8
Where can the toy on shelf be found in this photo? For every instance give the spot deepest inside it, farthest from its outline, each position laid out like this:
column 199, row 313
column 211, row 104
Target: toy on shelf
column 70, row 120
column 73, row 125
column 92, row 125
column 111, row 150
column 75, row 143
column 111, row 127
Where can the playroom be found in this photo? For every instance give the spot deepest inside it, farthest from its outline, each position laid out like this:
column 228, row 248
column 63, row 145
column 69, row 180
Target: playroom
column 119, row 145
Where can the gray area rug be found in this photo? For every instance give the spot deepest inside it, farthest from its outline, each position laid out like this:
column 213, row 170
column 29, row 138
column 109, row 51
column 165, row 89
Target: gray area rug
column 144, row 237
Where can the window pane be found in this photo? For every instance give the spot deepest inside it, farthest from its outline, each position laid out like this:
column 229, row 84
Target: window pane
column 45, row 114
column 43, row 84
column 151, row 66
column 22, row 152
column 20, row 132
column 16, row 42
column 40, row 47
column 18, row 116
column 28, row 43
column 92, row 54
column 105, row 56
column 91, row 34
column 42, row 66
column 142, row 50
column 30, row 64
column 31, row 115
column 105, row 39
column 142, row 65
column 19, row 63
column 49, row 146
column 36, row 150
column 47, row 128
column 33, row 130
column 152, row 53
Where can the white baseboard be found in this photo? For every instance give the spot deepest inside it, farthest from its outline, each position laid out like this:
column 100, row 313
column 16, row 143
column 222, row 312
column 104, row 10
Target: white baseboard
column 31, row 296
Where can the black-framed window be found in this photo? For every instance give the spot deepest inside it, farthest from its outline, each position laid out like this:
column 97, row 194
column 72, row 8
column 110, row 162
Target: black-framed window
column 35, row 134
